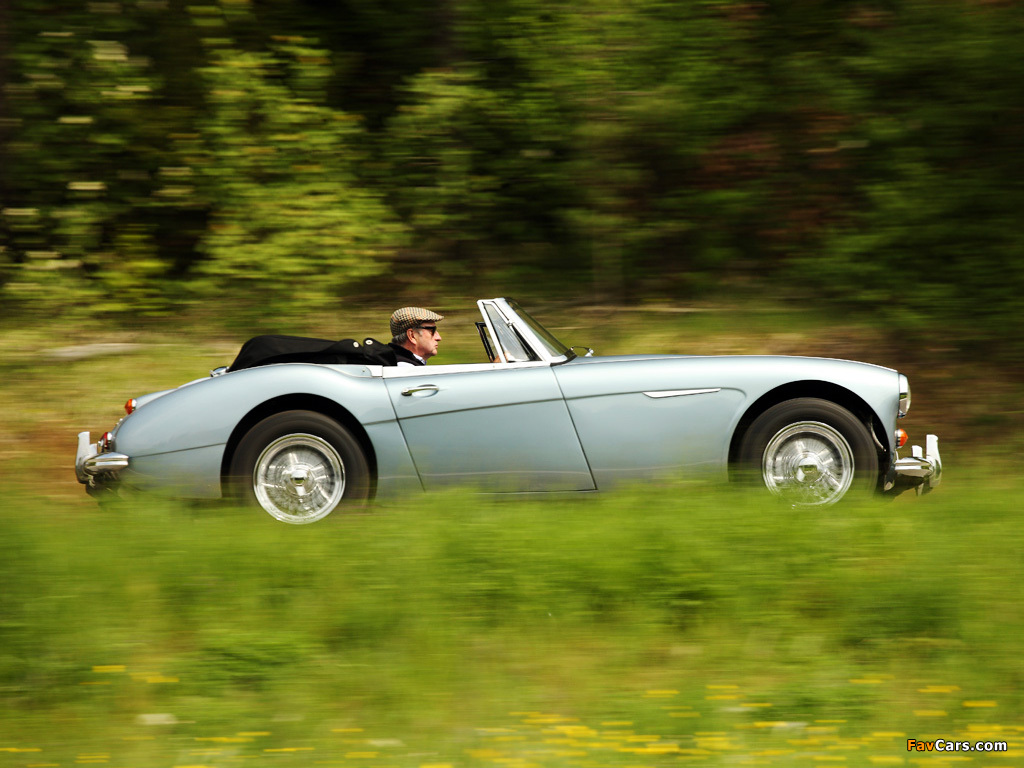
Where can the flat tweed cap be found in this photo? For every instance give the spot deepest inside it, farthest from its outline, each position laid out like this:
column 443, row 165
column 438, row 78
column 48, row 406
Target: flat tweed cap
column 409, row 317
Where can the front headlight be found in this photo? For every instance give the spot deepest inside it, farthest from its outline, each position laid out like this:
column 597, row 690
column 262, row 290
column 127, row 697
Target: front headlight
column 904, row 395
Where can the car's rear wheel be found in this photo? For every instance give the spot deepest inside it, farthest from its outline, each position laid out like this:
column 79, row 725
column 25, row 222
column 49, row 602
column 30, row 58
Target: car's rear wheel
column 300, row 466
column 810, row 453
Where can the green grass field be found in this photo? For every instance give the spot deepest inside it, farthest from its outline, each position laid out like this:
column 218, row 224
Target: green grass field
column 664, row 624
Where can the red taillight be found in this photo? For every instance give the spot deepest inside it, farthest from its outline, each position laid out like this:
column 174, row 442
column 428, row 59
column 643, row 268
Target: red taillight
column 106, row 440
column 130, row 406
column 901, row 438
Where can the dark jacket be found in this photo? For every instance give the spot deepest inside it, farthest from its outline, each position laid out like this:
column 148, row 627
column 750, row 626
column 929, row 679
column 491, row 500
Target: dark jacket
column 404, row 355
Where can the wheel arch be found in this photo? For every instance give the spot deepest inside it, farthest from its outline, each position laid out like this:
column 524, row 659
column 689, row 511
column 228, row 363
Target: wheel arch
column 823, row 390
column 300, row 402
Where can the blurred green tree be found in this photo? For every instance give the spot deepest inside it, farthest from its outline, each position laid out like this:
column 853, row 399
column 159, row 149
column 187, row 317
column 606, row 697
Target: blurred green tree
column 937, row 133
column 858, row 154
column 293, row 222
column 87, row 130
column 474, row 170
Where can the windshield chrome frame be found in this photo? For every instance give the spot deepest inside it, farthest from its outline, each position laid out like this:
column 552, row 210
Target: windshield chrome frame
column 520, row 327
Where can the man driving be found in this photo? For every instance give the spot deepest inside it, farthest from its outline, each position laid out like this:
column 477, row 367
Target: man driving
column 414, row 335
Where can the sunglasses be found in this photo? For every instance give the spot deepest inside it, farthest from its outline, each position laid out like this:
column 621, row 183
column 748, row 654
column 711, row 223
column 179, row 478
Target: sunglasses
column 431, row 328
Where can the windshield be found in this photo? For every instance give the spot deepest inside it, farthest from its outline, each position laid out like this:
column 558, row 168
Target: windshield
column 515, row 350
column 554, row 347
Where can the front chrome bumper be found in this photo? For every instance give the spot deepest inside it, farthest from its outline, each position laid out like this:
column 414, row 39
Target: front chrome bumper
column 922, row 470
column 93, row 466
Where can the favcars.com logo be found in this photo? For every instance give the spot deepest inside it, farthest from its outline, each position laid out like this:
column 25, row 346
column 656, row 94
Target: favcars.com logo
column 948, row 745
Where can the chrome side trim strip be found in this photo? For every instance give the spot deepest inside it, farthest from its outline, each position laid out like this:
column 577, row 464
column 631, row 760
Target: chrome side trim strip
column 681, row 392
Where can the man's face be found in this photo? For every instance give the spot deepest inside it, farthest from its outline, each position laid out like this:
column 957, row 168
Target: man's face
column 423, row 339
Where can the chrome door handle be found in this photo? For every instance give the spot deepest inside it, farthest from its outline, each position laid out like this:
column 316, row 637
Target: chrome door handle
column 425, row 388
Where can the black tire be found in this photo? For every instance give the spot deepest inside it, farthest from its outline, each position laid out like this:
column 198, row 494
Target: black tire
column 299, row 467
column 810, row 453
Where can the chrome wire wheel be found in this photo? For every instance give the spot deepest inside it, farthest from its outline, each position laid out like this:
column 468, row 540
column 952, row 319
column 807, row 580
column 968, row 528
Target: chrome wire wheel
column 299, row 478
column 809, row 452
column 808, row 464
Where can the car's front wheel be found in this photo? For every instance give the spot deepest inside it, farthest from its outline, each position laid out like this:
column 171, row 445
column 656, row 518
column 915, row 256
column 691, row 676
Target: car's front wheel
column 810, row 453
column 299, row 466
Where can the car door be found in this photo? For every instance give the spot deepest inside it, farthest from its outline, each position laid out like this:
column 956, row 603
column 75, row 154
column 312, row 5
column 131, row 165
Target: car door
column 642, row 418
column 500, row 427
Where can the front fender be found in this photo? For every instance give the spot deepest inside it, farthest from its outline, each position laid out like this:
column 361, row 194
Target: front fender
column 683, row 412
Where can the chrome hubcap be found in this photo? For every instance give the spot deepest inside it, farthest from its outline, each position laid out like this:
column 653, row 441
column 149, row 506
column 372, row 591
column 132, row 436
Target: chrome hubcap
column 299, row 478
column 808, row 464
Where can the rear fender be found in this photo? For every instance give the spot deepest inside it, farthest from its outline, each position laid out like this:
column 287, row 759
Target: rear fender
column 193, row 428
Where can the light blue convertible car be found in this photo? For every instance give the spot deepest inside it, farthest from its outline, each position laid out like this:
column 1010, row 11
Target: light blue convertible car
column 301, row 438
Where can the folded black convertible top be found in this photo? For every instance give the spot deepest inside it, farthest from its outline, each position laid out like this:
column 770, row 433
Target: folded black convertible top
column 271, row 349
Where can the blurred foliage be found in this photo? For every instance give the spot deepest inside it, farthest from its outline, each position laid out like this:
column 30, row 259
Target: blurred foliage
column 290, row 223
column 427, row 621
column 862, row 155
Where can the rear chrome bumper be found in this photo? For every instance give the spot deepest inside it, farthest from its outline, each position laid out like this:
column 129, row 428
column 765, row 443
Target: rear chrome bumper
column 94, row 466
column 922, row 470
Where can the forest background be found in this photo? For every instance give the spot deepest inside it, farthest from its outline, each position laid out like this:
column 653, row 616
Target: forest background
column 840, row 178
column 251, row 162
